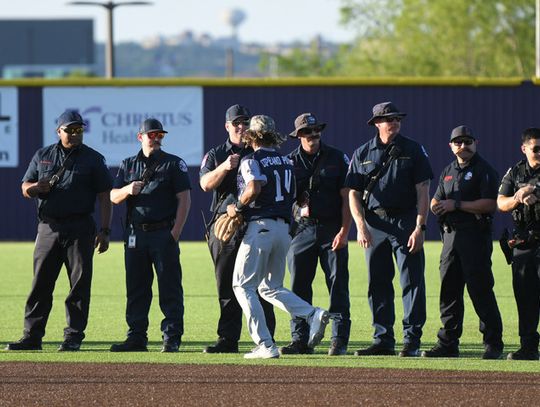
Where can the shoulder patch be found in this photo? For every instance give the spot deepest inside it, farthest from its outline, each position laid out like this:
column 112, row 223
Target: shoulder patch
column 182, row 165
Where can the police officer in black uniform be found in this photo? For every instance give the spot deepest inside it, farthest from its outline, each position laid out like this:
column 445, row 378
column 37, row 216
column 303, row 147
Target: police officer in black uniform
column 322, row 220
column 218, row 173
column 66, row 178
column 519, row 194
column 156, row 188
column 465, row 201
column 389, row 178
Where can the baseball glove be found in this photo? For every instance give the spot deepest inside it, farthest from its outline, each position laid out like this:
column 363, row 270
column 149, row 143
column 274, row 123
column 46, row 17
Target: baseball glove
column 225, row 226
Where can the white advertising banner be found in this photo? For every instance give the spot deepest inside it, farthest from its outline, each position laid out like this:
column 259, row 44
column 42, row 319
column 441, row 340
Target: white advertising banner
column 9, row 127
column 113, row 116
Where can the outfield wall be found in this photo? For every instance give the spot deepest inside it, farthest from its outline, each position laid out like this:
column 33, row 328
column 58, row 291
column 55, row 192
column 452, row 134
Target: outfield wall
column 497, row 111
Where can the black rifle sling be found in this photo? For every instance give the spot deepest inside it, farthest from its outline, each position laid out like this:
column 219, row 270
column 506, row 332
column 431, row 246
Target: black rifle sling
column 315, row 178
column 146, row 178
column 66, row 165
column 391, row 153
column 57, row 176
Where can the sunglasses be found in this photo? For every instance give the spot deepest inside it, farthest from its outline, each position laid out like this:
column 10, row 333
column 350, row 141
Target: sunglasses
column 238, row 122
column 73, row 130
column 308, row 132
column 467, row 142
column 391, row 119
column 535, row 149
column 155, row 134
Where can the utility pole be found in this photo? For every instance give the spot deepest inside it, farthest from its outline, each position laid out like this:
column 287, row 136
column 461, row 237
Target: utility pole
column 109, row 47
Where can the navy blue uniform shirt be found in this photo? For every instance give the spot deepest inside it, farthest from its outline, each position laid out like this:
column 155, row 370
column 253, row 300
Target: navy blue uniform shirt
column 228, row 187
column 157, row 200
column 396, row 188
column 478, row 180
column 278, row 186
column 75, row 193
column 324, row 201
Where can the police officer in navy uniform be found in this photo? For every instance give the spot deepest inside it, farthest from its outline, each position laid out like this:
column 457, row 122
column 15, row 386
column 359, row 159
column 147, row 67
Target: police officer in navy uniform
column 465, row 201
column 322, row 220
column 218, row 174
column 266, row 188
column 389, row 178
column 156, row 188
column 66, row 178
column 519, row 194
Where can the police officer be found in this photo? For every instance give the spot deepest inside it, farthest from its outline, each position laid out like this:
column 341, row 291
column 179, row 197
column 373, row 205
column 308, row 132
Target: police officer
column 218, row 173
column 66, row 178
column 518, row 194
column 465, row 201
column 266, row 192
column 156, row 188
column 322, row 220
column 389, row 177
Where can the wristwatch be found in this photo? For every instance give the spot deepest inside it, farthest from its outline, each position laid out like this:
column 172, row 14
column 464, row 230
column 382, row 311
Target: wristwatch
column 421, row 227
column 239, row 207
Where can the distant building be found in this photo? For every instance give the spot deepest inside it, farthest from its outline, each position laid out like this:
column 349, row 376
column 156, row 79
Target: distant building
column 46, row 48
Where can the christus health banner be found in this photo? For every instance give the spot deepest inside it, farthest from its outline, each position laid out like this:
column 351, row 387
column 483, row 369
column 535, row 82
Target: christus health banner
column 113, row 116
column 9, row 127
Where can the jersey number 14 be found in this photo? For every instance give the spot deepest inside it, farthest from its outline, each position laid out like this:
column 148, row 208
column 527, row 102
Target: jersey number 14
column 286, row 184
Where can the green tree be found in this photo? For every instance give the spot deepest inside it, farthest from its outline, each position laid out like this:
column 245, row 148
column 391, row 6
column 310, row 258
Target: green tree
column 493, row 38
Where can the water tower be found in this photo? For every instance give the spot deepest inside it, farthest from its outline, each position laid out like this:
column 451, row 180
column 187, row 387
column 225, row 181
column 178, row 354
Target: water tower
column 233, row 18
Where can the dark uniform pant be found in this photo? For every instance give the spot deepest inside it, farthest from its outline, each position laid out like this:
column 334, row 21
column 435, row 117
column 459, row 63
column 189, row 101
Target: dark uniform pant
column 526, row 283
column 313, row 241
column 466, row 261
column 157, row 248
column 389, row 236
column 230, row 319
column 70, row 244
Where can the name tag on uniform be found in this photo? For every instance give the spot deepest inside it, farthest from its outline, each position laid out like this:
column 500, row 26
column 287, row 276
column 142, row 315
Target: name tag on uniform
column 132, row 241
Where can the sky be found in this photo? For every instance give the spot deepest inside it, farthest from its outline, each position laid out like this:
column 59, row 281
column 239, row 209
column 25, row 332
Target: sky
column 267, row 21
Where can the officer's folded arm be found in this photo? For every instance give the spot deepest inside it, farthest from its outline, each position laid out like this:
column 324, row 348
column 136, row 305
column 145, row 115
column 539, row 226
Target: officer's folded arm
column 507, row 203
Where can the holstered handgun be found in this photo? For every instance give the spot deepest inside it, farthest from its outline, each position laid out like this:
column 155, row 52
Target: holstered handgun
column 505, row 246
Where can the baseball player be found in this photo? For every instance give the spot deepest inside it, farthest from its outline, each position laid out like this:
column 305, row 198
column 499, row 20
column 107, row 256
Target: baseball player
column 266, row 186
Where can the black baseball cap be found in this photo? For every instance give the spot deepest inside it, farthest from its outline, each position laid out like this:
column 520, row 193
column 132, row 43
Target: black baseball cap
column 151, row 125
column 461, row 131
column 237, row 111
column 68, row 118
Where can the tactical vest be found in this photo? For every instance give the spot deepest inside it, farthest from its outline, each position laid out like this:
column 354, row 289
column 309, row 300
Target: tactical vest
column 524, row 216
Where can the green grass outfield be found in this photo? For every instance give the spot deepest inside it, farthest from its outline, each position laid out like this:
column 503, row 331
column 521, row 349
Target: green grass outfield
column 107, row 324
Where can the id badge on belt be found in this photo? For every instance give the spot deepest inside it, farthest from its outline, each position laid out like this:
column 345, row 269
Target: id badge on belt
column 132, row 239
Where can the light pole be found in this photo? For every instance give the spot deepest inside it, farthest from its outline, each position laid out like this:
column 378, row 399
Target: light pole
column 109, row 48
column 537, row 39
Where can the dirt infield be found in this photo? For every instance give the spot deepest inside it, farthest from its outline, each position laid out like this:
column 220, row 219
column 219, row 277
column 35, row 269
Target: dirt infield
column 82, row 384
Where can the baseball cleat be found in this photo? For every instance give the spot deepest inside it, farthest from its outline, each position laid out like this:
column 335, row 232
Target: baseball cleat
column 263, row 352
column 317, row 324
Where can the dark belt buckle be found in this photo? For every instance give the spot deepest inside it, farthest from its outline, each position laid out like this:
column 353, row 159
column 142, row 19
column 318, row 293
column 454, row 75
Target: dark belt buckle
column 145, row 227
